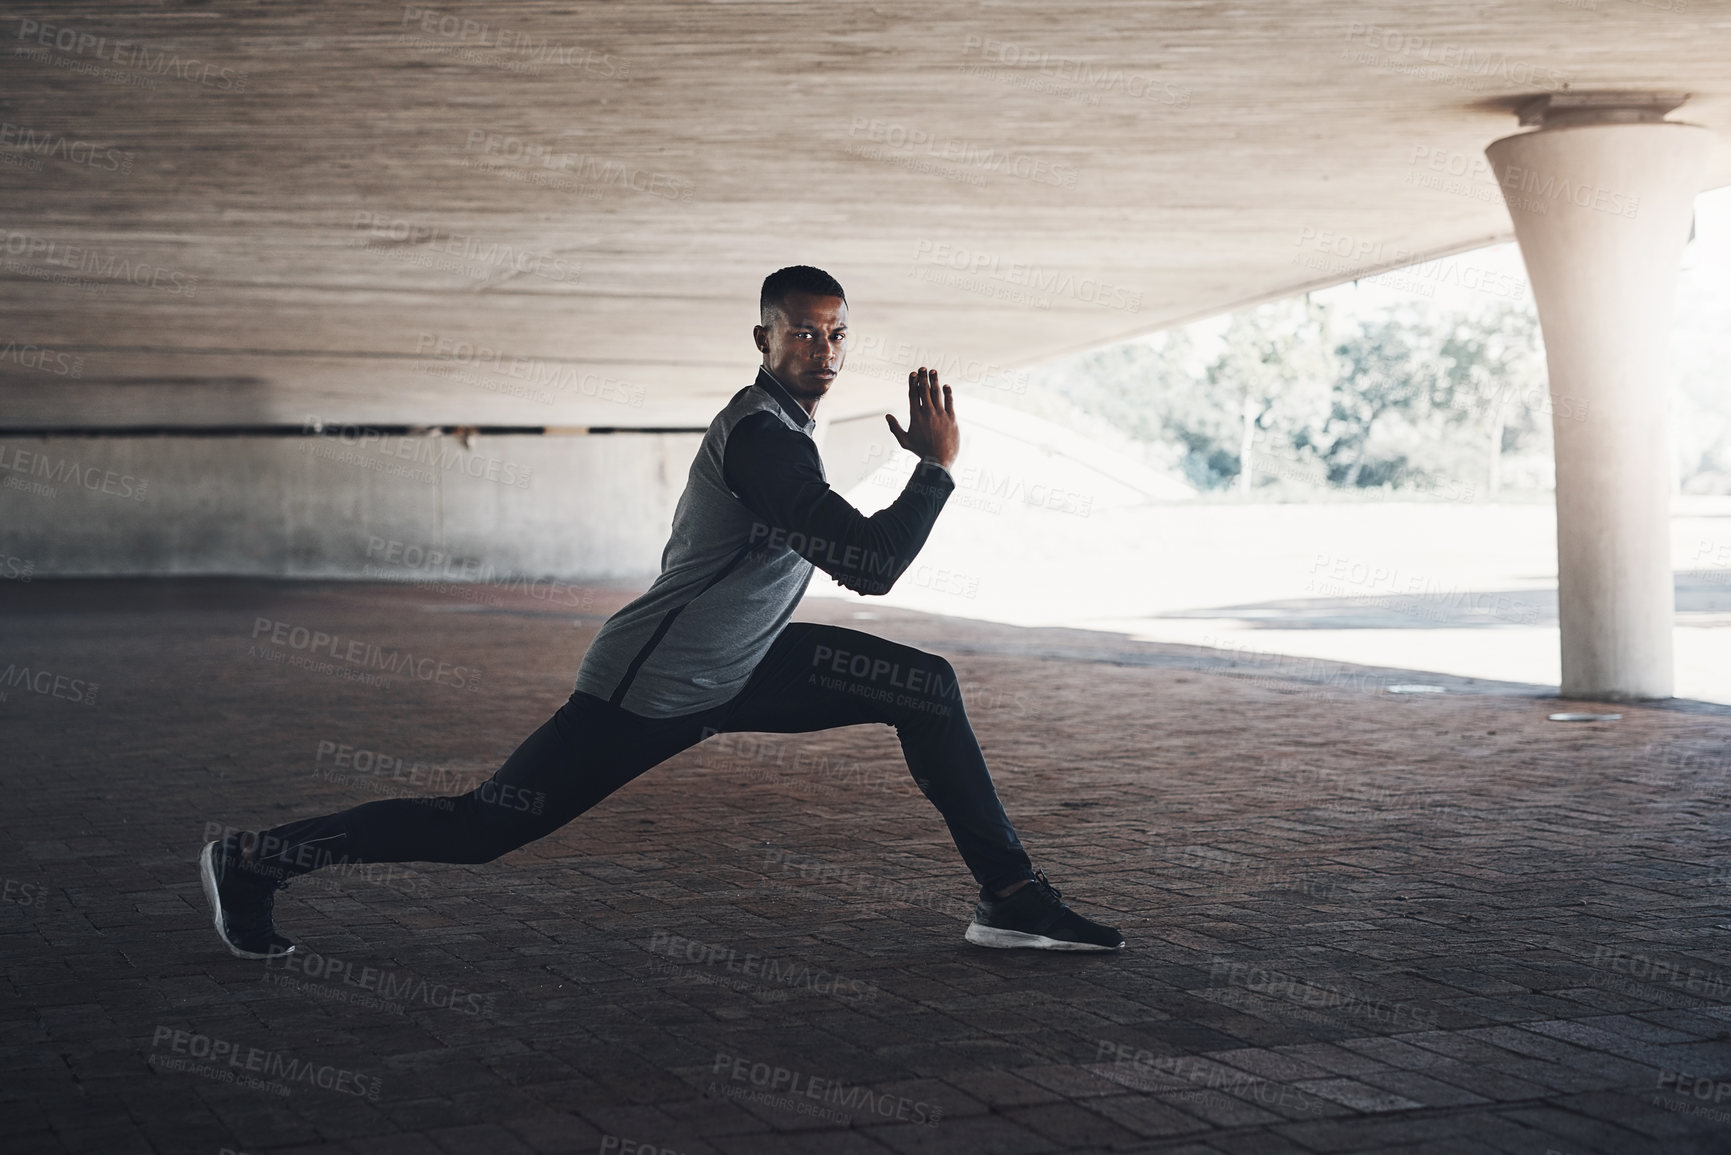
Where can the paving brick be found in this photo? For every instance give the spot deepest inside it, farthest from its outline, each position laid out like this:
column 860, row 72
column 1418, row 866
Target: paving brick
column 1423, row 1089
column 1146, row 1115
column 1357, row 1095
column 1069, row 1124
column 1333, row 1058
column 995, row 1133
column 1452, row 925
column 999, row 1089
column 1255, row 1143
column 1275, row 1065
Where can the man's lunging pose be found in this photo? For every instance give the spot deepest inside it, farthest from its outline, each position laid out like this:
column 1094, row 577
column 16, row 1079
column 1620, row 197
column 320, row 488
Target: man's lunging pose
column 709, row 649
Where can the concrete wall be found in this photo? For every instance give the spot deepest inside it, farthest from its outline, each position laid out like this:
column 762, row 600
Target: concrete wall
column 363, row 505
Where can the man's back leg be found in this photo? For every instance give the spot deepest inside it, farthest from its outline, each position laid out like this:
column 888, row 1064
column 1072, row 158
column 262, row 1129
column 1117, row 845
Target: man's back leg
column 583, row 753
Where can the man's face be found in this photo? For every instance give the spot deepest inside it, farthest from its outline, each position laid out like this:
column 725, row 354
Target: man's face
column 804, row 344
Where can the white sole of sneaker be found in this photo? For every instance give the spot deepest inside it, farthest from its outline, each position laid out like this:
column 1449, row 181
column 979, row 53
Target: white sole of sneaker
column 207, row 875
column 1000, row 939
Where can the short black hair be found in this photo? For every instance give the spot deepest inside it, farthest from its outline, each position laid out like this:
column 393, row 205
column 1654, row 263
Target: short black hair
column 782, row 283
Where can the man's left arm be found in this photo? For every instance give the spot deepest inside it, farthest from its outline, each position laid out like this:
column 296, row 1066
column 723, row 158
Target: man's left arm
column 775, row 471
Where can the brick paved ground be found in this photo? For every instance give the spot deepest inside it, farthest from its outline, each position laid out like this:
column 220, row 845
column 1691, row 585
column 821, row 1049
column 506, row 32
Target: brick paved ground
column 1358, row 921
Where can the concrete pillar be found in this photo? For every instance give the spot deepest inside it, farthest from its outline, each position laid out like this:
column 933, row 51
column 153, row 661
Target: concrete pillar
column 1602, row 197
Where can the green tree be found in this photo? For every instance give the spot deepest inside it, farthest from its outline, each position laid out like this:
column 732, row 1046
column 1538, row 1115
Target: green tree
column 1494, row 382
column 1300, row 397
column 1275, row 370
column 1388, row 367
column 1148, row 391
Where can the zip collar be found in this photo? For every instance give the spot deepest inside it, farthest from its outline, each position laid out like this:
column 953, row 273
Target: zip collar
column 794, row 410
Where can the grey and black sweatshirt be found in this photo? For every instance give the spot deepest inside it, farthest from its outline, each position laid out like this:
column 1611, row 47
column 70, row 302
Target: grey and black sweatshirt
column 756, row 517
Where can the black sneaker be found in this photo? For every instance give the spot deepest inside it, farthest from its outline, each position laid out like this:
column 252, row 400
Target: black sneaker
column 1033, row 917
column 241, row 902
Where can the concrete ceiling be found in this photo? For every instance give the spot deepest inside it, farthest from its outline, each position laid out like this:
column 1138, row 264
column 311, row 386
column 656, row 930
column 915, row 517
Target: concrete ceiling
column 248, row 213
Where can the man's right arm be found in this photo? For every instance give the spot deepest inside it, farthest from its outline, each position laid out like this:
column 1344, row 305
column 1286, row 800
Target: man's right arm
column 775, row 471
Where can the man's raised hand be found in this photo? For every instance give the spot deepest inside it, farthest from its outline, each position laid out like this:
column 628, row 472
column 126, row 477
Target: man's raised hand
column 932, row 431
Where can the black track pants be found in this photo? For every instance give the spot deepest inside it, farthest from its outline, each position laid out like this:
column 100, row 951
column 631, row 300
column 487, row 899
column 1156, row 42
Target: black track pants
column 814, row 677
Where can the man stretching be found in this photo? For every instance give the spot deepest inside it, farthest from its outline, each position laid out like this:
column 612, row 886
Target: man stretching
column 709, row 649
